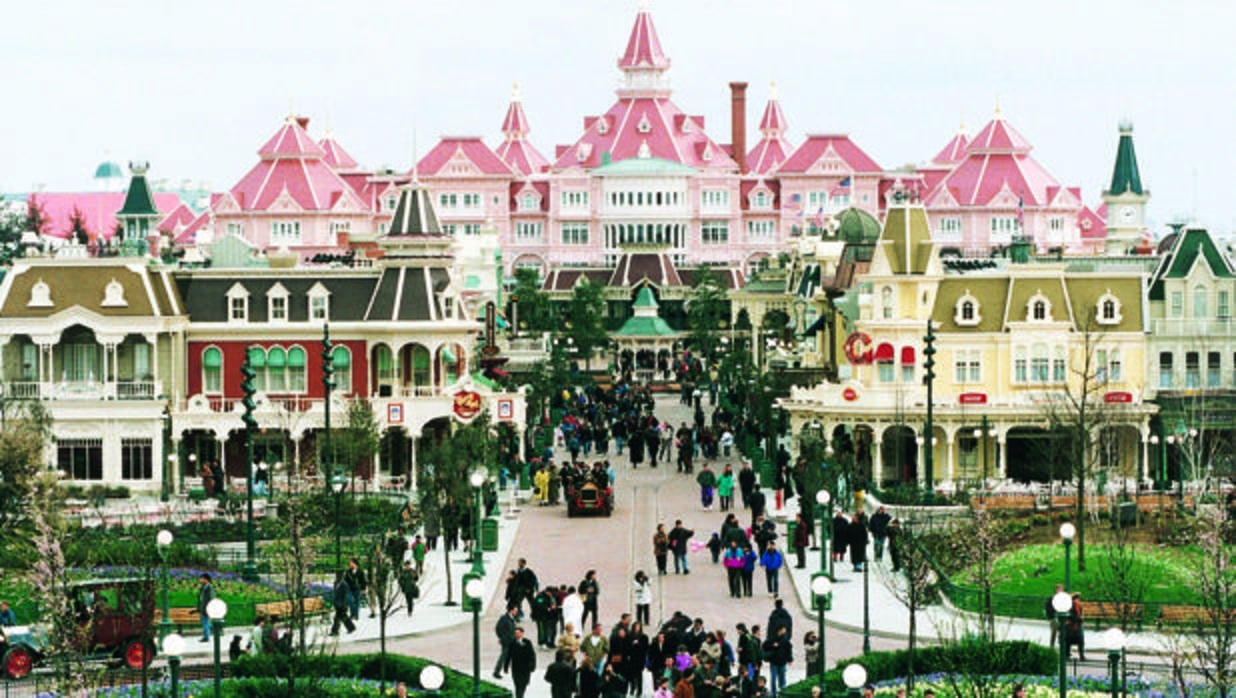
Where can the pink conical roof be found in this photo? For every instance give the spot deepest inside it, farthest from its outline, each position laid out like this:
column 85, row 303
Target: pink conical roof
column 954, row 151
column 643, row 48
column 291, row 141
column 335, row 156
column 515, row 124
column 773, row 123
column 998, row 137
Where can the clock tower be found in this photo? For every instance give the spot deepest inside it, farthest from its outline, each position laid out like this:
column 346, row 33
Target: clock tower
column 1125, row 199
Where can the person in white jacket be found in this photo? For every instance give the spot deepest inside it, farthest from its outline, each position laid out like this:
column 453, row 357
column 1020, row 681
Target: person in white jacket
column 573, row 610
column 642, row 591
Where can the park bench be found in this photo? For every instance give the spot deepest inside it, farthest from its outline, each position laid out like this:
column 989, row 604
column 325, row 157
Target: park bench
column 1112, row 612
column 183, row 618
column 283, row 609
column 1170, row 614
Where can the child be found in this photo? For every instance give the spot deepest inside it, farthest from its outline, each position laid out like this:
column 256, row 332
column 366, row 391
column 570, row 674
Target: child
column 714, row 547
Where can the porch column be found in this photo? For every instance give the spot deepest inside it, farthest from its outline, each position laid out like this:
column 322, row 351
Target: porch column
column 173, row 466
column 221, row 439
column 1002, row 460
column 47, row 371
column 877, row 459
column 412, row 462
column 950, row 437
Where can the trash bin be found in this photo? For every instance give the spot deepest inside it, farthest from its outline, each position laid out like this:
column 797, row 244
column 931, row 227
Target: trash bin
column 489, row 534
column 789, row 536
column 1126, row 513
column 768, row 473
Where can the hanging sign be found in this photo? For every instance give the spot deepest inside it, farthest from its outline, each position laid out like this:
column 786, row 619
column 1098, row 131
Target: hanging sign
column 467, row 405
column 858, row 348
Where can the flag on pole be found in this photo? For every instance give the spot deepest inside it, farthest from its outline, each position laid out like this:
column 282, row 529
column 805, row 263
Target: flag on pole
column 818, row 220
column 1021, row 212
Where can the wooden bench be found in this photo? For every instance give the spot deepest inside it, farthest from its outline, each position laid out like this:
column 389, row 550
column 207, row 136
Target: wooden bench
column 1112, row 612
column 283, row 609
column 1170, row 614
column 183, row 618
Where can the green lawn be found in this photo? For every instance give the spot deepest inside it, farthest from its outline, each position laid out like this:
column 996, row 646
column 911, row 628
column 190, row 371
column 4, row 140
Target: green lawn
column 1026, row 577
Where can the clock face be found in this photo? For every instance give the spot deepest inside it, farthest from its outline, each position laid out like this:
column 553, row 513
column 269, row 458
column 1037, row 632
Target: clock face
column 1128, row 214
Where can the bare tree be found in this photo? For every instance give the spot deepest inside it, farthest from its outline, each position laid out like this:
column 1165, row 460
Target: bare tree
column 914, row 585
column 1120, row 575
column 388, row 597
column 1215, row 628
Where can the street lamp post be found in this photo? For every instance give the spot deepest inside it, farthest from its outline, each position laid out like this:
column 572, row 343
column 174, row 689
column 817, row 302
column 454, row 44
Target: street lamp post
column 929, row 377
column 477, row 480
column 164, row 540
column 866, row 607
column 1067, row 531
column 854, row 676
column 821, row 587
column 475, row 590
column 824, row 499
column 1062, row 603
column 432, row 677
column 166, row 494
column 216, row 611
column 337, row 483
column 1115, row 641
column 174, row 648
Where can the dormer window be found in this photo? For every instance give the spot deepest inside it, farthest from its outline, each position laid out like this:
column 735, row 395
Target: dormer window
column 602, row 126
column 319, row 303
column 528, row 202
column 1108, row 309
column 238, row 304
column 113, row 295
column 966, row 313
column 277, row 303
column 391, row 201
column 760, row 200
column 644, row 125
column 40, row 295
column 1038, row 309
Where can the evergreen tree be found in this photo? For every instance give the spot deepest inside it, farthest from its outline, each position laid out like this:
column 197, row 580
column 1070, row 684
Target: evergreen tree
column 707, row 312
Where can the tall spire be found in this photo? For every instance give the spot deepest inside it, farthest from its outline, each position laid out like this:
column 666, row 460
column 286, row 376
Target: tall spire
column 515, row 125
column 773, row 125
column 644, row 62
column 1125, row 175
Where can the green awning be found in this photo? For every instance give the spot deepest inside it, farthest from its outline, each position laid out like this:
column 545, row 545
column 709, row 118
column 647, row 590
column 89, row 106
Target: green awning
column 277, row 358
column 342, row 358
column 212, row 358
column 296, row 357
column 257, row 357
column 447, row 355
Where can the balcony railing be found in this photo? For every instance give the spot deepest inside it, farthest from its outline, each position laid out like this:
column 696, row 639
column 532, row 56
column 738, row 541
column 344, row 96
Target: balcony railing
column 82, row 390
column 1193, row 327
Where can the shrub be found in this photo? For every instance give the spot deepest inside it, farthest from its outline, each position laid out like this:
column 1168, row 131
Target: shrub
column 969, row 657
column 363, row 666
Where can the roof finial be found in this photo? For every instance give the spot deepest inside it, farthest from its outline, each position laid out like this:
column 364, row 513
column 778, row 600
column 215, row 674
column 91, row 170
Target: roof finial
column 415, row 158
column 327, row 134
column 291, row 109
column 997, row 112
column 772, row 90
column 515, row 91
column 961, row 124
column 644, row 5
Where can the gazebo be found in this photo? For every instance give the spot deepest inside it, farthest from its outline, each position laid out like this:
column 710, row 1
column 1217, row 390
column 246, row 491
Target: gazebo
column 645, row 331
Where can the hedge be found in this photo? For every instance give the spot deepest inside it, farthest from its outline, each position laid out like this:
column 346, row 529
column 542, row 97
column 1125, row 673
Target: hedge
column 968, row 657
column 364, row 666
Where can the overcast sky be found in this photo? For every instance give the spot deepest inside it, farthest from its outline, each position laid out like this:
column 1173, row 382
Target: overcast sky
column 196, row 88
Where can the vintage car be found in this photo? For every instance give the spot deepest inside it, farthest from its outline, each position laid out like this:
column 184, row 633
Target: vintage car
column 117, row 616
column 589, row 498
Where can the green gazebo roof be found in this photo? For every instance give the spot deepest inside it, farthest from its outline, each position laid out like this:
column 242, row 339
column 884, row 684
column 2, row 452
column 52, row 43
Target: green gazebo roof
column 646, row 327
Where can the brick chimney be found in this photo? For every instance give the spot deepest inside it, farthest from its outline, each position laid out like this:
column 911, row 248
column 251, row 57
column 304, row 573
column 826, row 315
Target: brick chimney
column 303, row 121
column 738, row 123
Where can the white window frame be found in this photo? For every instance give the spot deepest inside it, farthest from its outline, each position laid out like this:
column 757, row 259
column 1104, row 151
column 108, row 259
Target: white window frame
column 285, row 232
column 574, row 233
column 715, row 232
column 319, row 304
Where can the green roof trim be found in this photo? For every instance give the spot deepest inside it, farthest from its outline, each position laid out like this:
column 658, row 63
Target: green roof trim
column 1125, row 176
column 138, row 201
column 1190, row 243
column 644, row 166
column 646, row 327
column 481, row 379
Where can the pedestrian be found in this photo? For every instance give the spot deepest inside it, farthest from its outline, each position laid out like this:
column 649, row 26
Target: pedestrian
column 772, row 562
column 560, row 675
column 749, row 558
column 408, row 586
column 678, row 537
column 894, row 543
column 685, row 688
column 707, row 480
column 811, row 651
column 802, row 538
column 357, row 584
column 878, row 526
column 841, row 535
column 342, row 603
column 596, row 648
column 526, row 583
column 205, row 594
column 542, row 611
column 569, row 641
column 1019, row 690
column 641, row 591
column 590, row 591
column 756, row 502
column 505, row 630
column 1074, row 628
column 663, row 689
column 746, row 483
column 589, row 679
column 523, row 662
column 725, row 487
column 733, row 563
column 714, row 548
column 634, row 659
column 857, row 543
column 572, row 612
column 255, row 635
column 779, row 651
column 660, row 547
column 419, row 548
column 541, row 482
column 1052, row 621
column 613, row 685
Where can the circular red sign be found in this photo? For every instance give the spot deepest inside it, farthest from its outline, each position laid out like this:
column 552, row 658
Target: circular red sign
column 467, row 404
column 849, row 394
column 858, row 347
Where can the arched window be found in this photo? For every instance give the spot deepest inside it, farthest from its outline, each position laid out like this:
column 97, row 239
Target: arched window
column 1199, row 301
column 212, row 371
column 296, row 370
column 276, row 370
column 1040, row 310
column 1019, row 365
column 341, row 359
column 967, row 310
column 421, row 374
column 886, row 302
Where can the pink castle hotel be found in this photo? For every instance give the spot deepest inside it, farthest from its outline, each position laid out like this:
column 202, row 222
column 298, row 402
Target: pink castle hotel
column 645, row 188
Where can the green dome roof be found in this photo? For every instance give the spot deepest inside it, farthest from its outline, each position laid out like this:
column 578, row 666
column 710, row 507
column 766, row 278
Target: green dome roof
column 856, row 225
column 644, row 166
column 107, row 170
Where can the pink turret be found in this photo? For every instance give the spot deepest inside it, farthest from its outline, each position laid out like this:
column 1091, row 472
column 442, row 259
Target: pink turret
column 643, row 48
column 999, row 137
column 773, row 124
column 335, row 156
column 955, row 150
column 291, row 141
column 773, row 148
column 515, row 149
